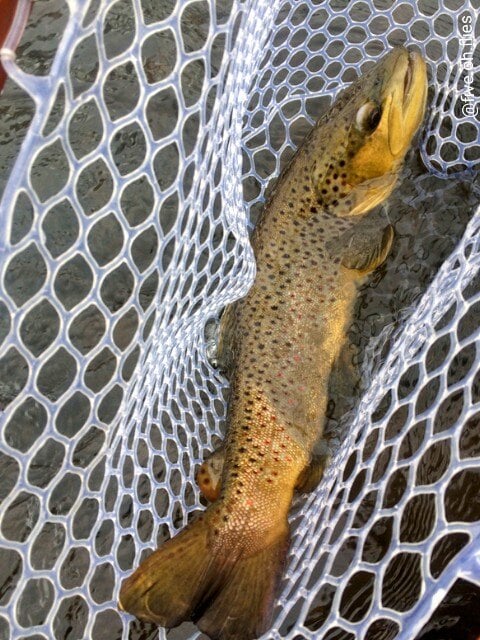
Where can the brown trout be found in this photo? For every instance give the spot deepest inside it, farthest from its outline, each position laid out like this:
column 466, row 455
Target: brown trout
column 278, row 345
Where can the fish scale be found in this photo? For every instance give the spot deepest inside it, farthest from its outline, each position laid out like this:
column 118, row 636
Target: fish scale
column 308, row 292
column 278, row 345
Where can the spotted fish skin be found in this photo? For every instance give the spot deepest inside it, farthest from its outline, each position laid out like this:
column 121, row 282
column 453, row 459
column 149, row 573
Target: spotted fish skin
column 278, row 345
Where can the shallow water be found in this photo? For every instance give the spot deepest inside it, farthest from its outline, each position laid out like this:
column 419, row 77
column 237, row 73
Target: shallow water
column 429, row 215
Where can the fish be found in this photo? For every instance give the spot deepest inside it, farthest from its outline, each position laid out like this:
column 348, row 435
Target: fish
column 277, row 346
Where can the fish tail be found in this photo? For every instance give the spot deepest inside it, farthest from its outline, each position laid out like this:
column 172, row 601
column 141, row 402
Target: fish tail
column 227, row 588
column 169, row 584
column 242, row 609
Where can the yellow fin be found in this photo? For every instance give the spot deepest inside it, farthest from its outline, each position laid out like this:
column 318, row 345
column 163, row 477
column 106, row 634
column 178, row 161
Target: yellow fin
column 167, row 586
column 207, row 575
column 242, row 609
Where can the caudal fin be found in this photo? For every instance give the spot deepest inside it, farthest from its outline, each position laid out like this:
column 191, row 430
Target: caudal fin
column 168, row 585
column 228, row 592
column 243, row 607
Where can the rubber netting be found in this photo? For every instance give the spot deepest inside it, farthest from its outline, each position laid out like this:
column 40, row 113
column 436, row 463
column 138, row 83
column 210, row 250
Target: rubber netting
column 125, row 224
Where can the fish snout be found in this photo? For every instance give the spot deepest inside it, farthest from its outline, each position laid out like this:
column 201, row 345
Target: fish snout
column 408, row 91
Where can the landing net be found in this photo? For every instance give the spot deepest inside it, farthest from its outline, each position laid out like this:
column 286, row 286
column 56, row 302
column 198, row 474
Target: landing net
column 125, row 226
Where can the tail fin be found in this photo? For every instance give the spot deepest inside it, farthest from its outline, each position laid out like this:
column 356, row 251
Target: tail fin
column 168, row 585
column 229, row 593
column 243, row 607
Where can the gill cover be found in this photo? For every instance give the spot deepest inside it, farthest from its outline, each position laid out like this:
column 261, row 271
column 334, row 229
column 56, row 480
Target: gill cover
column 361, row 146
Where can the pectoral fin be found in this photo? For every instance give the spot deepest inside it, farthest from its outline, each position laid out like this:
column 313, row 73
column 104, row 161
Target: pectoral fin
column 365, row 251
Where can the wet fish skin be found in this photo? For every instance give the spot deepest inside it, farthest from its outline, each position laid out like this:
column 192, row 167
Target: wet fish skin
column 278, row 345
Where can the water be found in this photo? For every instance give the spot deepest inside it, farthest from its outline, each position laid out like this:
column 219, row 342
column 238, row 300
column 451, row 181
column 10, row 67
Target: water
column 429, row 215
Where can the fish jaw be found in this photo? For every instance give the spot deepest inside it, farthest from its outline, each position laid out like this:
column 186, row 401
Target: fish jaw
column 359, row 148
column 407, row 102
column 401, row 98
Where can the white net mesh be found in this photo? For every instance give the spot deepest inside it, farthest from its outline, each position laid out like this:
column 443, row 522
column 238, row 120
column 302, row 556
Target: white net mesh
column 125, row 229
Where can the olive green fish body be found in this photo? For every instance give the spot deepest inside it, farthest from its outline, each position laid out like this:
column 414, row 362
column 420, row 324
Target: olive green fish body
column 278, row 346
column 289, row 330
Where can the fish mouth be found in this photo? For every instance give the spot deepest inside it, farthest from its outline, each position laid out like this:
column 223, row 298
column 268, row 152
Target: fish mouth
column 408, row 84
column 414, row 67
column 407, row 81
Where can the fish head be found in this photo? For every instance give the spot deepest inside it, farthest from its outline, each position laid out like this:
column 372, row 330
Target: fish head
column 360, row 144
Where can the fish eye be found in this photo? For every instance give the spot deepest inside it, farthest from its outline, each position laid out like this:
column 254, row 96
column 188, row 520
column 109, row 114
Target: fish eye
column 368, row 117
